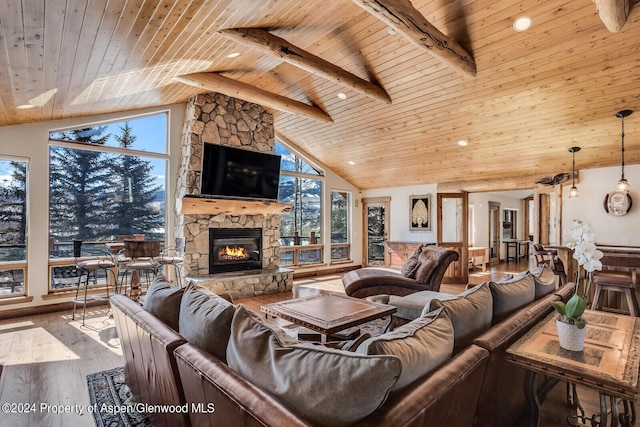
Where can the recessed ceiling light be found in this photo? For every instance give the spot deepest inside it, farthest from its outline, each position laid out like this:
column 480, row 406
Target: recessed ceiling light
column 522, row 23
column 391, row 30
column 233, row 55
column 351, row 162
column 463, row 143
column 25, row 106
column 342, row 95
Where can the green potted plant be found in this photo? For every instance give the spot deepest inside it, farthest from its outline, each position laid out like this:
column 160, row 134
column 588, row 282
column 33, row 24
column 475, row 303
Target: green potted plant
column 570, row 323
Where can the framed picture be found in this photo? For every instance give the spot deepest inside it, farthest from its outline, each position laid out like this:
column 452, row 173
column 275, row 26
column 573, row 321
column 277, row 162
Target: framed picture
column 420, row 213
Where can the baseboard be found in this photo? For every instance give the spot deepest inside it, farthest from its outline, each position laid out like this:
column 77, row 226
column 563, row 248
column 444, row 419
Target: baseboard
column 44, row 309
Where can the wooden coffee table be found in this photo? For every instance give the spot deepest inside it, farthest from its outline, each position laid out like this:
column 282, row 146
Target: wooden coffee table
column 328, row 313
column 609, row 363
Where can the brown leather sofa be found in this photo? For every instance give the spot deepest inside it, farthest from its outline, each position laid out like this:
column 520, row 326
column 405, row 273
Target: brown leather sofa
column 477, row 387
column 423, row 271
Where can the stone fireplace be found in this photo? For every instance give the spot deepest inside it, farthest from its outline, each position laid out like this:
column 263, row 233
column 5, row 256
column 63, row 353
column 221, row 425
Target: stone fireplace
column 224, row 120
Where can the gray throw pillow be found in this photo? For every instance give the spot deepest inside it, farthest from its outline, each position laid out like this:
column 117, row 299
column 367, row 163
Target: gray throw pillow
column 205, row 320
column 545, row 280
column 324, row 385
column 422, row 345
column 470, row 313
column 163, row 301
column 510, row 295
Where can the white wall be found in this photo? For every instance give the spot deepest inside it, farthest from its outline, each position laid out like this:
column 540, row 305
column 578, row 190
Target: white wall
column 31, row 142
column 399, row 212
column 594, row 184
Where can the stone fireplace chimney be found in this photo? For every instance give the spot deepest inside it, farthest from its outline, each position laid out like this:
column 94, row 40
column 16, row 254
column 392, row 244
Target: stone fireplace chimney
column 224, row 120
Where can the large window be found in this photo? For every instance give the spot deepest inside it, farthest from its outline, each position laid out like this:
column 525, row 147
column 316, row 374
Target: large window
column 105, row 181
column 301, row 229
column 340, row 218
column 13, row 227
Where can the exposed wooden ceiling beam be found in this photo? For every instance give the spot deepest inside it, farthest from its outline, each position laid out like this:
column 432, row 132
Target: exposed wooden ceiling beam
column 613, row 13
column 522, row 182
column 268, row 43
column 407, row 20
column 218, row 83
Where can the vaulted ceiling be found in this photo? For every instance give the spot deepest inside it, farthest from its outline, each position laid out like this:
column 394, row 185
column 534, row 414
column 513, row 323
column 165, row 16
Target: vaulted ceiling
column 534, row 93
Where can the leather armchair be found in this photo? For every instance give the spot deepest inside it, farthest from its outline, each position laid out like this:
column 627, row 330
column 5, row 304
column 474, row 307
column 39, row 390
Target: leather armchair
column 423, row 271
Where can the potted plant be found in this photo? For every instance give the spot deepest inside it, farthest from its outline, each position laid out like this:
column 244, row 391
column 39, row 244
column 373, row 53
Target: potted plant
column 571, row 326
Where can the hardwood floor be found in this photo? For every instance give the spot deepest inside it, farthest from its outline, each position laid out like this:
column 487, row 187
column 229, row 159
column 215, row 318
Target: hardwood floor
column 47, row 357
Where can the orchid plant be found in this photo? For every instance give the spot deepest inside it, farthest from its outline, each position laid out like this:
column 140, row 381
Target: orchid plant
column 588, row 257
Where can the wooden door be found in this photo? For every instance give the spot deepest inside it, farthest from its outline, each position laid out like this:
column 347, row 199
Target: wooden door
column 453, row 233
column 375, row 223
column 494, row 233
column 547, row 215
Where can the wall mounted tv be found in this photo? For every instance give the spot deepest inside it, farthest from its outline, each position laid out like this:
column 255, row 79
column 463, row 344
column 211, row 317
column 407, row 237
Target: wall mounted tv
column 234, row 173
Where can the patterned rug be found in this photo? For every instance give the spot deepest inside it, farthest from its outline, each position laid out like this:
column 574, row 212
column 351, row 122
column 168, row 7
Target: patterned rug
column 111, row 397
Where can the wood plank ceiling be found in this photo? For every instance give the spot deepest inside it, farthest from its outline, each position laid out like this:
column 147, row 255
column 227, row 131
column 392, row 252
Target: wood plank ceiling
column 536, row 93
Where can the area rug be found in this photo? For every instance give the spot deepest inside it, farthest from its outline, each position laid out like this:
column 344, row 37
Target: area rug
column 107, row 389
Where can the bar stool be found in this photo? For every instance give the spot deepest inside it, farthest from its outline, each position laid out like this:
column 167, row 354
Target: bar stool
column 139, row 259
column 173, row 256
column 89, row 262
column 622, row 279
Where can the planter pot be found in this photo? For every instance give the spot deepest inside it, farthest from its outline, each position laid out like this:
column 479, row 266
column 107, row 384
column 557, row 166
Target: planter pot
column 571, row 338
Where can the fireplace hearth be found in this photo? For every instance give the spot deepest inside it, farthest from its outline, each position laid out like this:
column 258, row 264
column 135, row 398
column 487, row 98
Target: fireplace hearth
column 234, row 249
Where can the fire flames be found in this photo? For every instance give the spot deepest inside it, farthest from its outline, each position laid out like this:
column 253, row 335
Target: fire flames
column 235, row 253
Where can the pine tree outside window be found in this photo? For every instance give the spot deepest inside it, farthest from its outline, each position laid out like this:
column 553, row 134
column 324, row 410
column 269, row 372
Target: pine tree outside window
column 340, row 219
column 13, row 227
column 105, row 181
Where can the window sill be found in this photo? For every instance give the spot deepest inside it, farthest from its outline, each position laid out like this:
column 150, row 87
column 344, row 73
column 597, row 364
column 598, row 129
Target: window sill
column 15, row 300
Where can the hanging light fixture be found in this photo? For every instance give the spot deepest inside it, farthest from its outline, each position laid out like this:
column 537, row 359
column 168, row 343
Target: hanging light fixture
column 573, row 192
column 623, row 184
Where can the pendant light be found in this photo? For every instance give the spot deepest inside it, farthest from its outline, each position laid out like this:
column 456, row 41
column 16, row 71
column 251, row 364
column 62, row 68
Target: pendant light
column 623, row 184
column 573, row 192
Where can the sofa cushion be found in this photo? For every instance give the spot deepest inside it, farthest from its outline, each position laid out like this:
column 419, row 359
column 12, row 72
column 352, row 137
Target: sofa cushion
column 163, row 301
column 422, row 345
column 545, row 280
column 205, row 320
column 510, row 295
column 324, row 385
column 470, row 312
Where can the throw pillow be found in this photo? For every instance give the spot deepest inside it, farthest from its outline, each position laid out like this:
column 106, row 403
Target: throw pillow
column 545, row 280
column 510, row 295
column 205, row 320
column 324, row 385
column 424, row 270
column 422, row 345
column 470, row 314
column 410, row 267
column 163, row 301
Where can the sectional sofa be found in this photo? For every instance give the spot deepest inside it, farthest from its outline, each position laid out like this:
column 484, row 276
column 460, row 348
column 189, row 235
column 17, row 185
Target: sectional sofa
column 228, row 366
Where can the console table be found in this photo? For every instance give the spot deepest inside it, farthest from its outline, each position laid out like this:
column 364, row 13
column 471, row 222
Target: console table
column 608, row 364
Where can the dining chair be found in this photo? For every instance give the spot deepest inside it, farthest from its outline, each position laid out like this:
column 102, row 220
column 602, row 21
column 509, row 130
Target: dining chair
column 551, row 258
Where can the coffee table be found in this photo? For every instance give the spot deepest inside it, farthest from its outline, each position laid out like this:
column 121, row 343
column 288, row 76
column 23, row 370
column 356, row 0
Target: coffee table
column 328, row 313
column 609, row 364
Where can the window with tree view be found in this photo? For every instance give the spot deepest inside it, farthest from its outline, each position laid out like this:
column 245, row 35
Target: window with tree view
column 340, row 225
column 300, row 229
column 13, row 227
column 105, row 181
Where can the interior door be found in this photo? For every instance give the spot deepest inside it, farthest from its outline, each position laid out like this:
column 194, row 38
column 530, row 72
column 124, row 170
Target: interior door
column 494, row 233
column 453, row 233
column 547, row 215
column 376, row 226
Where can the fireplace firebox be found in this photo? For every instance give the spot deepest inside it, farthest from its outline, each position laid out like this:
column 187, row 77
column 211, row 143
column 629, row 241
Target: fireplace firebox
column 234, row 249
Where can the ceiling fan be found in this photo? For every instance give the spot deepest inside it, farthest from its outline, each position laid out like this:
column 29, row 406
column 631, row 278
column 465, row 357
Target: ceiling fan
column 555, row 180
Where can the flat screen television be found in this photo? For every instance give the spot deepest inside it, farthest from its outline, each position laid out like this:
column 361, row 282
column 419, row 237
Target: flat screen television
column 234, row 173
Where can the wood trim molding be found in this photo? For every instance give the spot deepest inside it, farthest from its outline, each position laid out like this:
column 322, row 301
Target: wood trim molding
column 202, row 206
column 296, row 56
column 407, row 20
column 230, row 87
